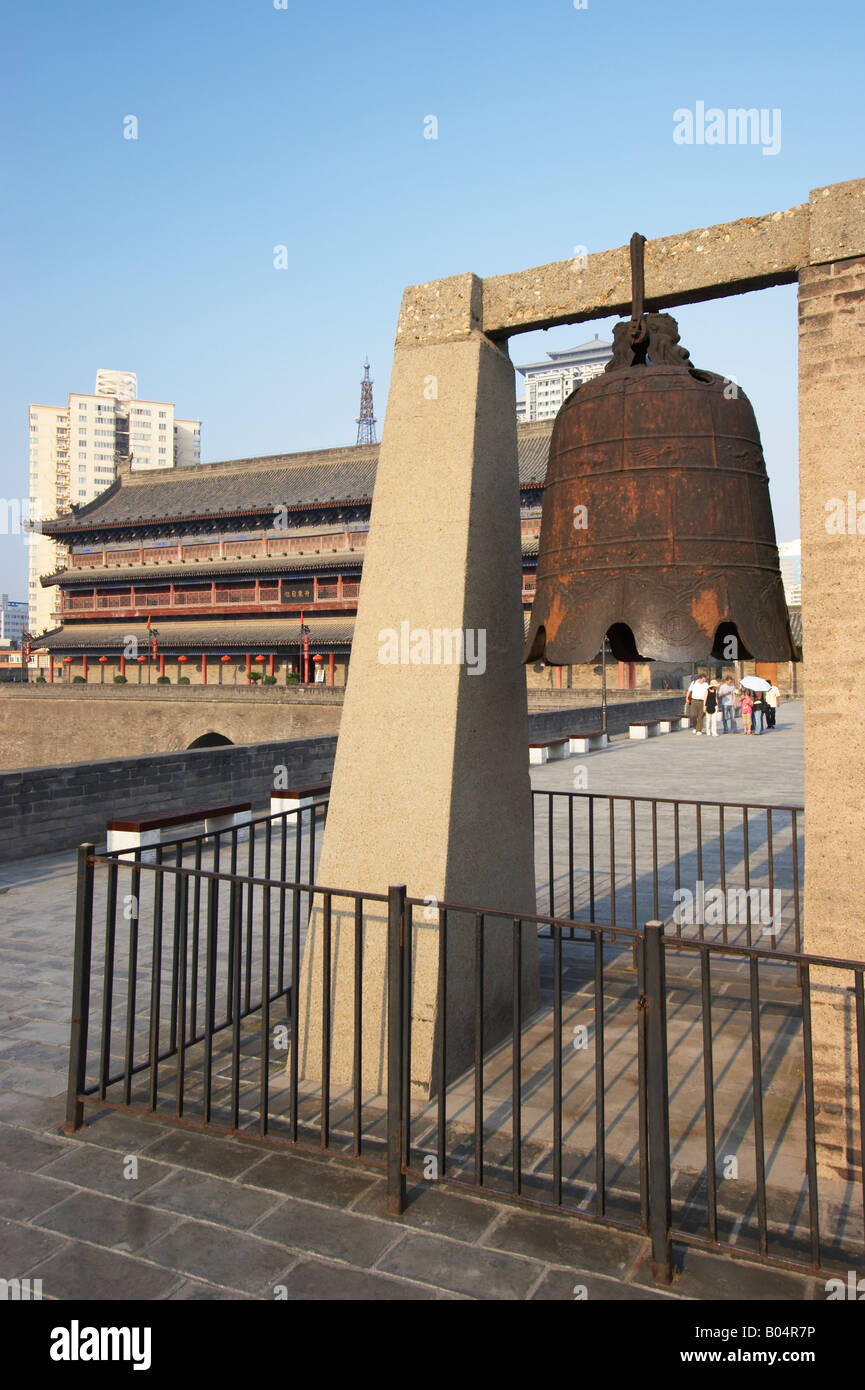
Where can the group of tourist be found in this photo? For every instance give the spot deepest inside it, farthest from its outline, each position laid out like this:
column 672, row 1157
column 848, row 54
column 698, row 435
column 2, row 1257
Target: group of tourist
column 713, row 702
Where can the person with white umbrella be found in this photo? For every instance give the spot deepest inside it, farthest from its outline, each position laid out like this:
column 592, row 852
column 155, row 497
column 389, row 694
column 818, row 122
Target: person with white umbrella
column 757, row 685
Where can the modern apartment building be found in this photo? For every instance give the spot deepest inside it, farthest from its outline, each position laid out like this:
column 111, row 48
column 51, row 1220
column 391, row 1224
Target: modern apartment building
column 73, row 452
column 549, row 383
column 790, row 553
column 13, row 620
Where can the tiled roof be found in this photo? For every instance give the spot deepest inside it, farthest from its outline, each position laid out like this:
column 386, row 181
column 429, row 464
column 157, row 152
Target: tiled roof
column 256, row 486
column 266, row 634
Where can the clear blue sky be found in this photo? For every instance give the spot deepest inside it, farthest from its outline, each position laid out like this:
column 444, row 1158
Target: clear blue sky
column 304, row 127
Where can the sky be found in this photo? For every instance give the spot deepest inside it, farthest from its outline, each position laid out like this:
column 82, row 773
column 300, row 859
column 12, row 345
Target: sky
column 303, row 127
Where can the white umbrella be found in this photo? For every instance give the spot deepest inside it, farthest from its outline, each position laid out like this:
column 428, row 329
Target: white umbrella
column 755, row 683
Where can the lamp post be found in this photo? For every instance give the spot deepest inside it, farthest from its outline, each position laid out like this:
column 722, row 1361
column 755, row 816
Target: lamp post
column 303, row 665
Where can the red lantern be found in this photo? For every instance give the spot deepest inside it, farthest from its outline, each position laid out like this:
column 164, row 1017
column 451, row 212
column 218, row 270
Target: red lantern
column 182, row 658
column 258, row 658
column 141, row 660
column 317, row 657
column 67, row 660
column 225, row 658
column 103, row 660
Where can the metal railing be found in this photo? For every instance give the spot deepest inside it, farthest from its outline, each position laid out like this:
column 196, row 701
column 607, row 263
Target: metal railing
column 726, row 871
column 680, row 1100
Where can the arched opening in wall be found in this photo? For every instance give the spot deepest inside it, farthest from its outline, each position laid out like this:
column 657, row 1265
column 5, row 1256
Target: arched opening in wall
column 210, row 740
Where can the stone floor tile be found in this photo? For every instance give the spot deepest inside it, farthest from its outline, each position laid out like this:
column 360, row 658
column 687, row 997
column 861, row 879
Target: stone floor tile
column 467, row 1269
column 81, row 1271
column 240, row 1262
column 208, row 1153
column 25, row 1195
column 444, row 1212
column 296, row 1176
column 25, row 1151
column 559, row 1285
column 210, row 1199
column 107, row 1222
column 24, row 1247
column 102, row 1170
column 558, row 1241
column 313, row 1281
column 339, row 1234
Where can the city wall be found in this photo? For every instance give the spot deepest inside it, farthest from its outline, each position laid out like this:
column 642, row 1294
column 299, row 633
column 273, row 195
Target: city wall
column 45, row 809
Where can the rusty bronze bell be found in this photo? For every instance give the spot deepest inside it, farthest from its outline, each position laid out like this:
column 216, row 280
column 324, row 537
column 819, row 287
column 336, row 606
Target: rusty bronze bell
column 657, row 527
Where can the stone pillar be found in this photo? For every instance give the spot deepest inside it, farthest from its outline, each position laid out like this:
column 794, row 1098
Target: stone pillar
column 832, row 477
column 431, row 785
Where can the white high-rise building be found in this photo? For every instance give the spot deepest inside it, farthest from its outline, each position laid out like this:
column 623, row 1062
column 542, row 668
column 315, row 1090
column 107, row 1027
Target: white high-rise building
column 73, row 452
column 13, row 619
column 549, row 383
column 790, row 555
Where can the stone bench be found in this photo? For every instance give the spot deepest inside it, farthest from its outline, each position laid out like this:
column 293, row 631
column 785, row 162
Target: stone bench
column 548, row 750
column 140, row 833
column 649, row 728
column 683, row 722
column 587, row 740
column 293, row 798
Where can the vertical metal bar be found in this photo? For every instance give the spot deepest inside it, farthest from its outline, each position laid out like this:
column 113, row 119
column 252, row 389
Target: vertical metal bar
column 235, row 949
column 723, row 848
column 181, row 890
column 327, row 950
column 407, row 1001
column 677, row 861
column 175, row 945
column 441, row 1122
column 283, row 848
column 655, row 857
column 591, row 858
column 264, row 1067
column 771, row 854
column 747, row 861
column 797, row 922
column 196, row 945
column 571, row 860
column 479, row 1049
column 551, row 858
column 634, row 864
column 517, row 1059
column 757, row 1075
column 312, row 819
column 80, row 989
column 642, row 1083
column 293, row 1069
column 810, row 1121
column 859, row 992
column 658, row 1097
column 210, row 994
column 156, row 978
column 709, row 1092
column 600, row 1121
column 395, row 1053
column 108, row 976
column 557, row 1065
column 250, row 913
column 131, row 988
column 357, row 1060
column 612, row 801
column 700, row 899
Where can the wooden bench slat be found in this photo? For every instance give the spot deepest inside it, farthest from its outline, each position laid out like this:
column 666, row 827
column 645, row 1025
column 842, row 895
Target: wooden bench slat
column 226, row 808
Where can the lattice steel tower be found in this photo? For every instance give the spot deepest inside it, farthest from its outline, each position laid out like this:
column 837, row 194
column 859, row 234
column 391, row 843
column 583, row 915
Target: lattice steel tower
column 366, row 420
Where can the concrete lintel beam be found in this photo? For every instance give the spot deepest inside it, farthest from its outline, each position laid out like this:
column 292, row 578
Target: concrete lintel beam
column 707, row 263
